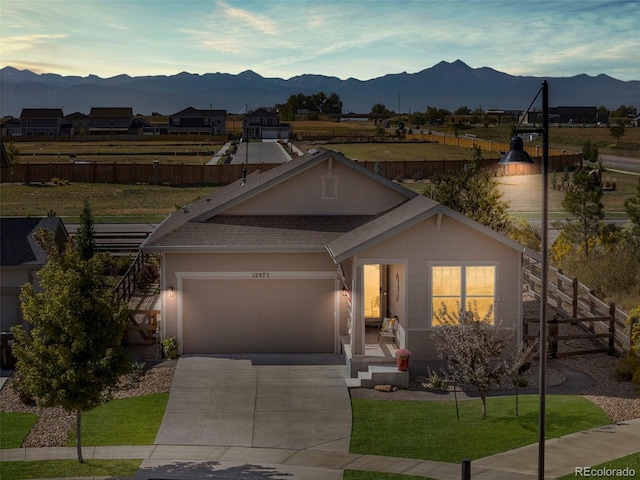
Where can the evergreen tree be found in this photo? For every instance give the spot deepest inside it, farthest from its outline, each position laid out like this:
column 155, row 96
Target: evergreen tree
column 84, row 241
column 582, row 202
column 70, row 356
column 474, row 193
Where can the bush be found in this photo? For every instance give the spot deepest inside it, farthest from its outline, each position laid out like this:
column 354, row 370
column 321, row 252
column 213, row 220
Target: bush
column 636, row 376
column 628, row 368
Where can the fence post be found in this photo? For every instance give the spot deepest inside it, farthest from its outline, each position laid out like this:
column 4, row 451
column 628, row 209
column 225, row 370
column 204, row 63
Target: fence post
column 612, row 328
column 574, row 298
column 553, row 337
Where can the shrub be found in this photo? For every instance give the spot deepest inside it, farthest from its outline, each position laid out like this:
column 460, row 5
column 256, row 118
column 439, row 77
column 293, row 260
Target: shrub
column 627, row 367
column 636, row 376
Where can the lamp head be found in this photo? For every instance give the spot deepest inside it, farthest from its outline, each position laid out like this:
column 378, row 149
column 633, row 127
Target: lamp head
column 516, row 153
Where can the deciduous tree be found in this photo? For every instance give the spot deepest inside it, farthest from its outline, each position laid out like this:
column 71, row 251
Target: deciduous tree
column 473, row 349
column 70, row 356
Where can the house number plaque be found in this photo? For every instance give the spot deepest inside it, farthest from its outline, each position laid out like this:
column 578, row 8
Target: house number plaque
column 260, row 275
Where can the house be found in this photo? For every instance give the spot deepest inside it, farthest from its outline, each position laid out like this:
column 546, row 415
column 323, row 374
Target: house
column 41, row 121
column 264, row 125
column 76, row 123
column 111, row 121
column 21, row 258
column 198, row 122
column 300, row 258
column 11, row 127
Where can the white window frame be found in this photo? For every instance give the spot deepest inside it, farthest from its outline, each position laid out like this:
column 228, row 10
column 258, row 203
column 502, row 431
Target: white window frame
column 463, row 291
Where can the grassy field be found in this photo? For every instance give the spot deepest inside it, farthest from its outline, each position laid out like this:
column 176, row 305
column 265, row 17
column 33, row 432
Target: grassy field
column 109, row 202
column 409, row 428
column 15, row 427
column 69, row 468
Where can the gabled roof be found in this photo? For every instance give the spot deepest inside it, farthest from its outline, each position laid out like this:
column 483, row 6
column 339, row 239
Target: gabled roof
column 261, row 112
column 240, row 191
column 403, row 217
column 191, row 112
column 41, row 113
column 76, row 116
column 18, row 248
column 111, row 112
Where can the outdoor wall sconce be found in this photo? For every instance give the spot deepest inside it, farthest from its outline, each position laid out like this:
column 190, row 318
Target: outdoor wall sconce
column 170, row 290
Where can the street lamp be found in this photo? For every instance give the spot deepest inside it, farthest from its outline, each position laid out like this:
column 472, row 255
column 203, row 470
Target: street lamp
column 517, row 155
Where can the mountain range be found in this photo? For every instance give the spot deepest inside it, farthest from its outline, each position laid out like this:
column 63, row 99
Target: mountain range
column 445, row 85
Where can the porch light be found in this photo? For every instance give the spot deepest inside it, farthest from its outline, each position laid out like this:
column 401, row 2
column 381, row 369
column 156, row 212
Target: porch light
column 517, row 155
column 170, row 290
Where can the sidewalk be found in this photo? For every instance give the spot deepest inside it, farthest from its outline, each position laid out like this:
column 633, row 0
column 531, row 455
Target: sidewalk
column 563, row 455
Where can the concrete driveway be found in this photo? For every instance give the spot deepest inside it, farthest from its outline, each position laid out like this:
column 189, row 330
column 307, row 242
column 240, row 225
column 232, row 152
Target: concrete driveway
column 269, row 401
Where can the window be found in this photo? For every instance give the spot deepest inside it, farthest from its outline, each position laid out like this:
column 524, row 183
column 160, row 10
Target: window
column 459, row 286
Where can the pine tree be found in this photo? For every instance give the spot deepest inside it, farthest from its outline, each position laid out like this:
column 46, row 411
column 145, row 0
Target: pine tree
column 582, row 202
column 84, row 241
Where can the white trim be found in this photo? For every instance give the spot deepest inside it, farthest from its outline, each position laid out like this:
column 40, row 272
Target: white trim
column 463, row 264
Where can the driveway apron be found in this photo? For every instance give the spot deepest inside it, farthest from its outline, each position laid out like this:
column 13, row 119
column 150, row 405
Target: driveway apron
column 262, row 400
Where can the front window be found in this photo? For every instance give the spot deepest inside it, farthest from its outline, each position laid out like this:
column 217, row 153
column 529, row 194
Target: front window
column 457, row 286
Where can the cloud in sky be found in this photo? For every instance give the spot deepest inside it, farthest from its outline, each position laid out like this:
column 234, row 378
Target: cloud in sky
column 344, row 38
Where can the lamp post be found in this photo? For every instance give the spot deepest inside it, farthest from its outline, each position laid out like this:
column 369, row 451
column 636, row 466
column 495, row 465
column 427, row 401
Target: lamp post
column 517, row 155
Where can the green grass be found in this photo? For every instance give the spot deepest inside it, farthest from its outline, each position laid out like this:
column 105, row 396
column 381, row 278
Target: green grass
column 362, row 475
column 414, row 429
column 15, row 427
column 131, row 421
column 69, row 468
column 631, row 461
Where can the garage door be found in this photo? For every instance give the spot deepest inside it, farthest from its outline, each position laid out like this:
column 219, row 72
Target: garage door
column 257, row 315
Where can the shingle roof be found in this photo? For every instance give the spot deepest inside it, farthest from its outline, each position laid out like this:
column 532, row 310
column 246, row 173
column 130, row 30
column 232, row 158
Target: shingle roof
column 235, row 193
column 405, row 216
column 111, row 112
column 263, row 231
column 17, row 245
column 41, row 113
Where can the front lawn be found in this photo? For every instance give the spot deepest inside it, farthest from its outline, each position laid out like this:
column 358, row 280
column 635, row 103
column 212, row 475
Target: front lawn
column 630, row 462
column 69, row 468
column 416, row 429
column 130, row 421
column 15, row 428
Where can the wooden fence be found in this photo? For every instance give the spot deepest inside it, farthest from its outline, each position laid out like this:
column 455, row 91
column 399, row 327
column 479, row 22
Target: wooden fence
column 579, row 305
column 141, row 327
column 188, row 174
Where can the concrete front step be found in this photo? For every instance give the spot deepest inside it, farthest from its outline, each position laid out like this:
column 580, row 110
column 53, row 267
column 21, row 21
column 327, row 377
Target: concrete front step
column 379, row 375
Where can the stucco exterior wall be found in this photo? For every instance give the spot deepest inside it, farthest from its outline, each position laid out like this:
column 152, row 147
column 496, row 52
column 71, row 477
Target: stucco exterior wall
column 450, row 243
column 356, row 194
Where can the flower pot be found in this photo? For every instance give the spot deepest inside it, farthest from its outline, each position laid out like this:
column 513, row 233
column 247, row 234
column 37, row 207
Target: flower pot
column 402, row 364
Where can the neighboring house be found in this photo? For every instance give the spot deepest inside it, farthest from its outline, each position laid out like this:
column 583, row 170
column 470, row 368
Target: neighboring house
column 21, row 258
column 11, row 127
column 199, row 122
column 111, row 121
column 264, row 125
column 41, row 121
column 300, row 257
column 76, row 123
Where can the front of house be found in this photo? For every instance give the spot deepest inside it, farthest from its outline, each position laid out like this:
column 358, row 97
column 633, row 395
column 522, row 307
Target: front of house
column 301, row 258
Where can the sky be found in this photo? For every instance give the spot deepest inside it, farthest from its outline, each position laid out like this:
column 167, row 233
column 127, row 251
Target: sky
column 362, row 39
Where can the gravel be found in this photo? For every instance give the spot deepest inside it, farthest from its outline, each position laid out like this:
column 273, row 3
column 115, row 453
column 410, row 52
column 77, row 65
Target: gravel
column 54, row 424
column 620, row 400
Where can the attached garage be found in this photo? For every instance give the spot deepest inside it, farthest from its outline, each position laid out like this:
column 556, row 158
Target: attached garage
column 257, row 315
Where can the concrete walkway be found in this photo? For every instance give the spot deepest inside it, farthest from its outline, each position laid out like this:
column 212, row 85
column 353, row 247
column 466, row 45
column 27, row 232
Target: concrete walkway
column 272, row 417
